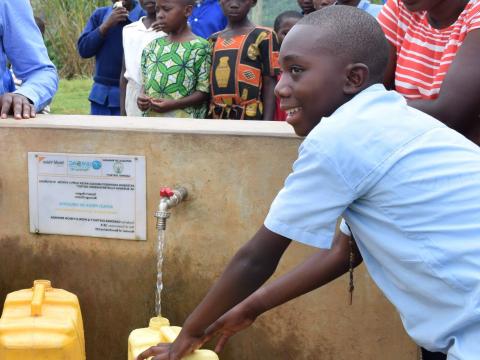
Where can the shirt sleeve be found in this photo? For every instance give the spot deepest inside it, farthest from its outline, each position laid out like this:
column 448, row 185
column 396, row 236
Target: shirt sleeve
column 389, row 19
column 203, row 62
column 24, row 47
column 269, row 47
column 315, row 194
column 91, row 40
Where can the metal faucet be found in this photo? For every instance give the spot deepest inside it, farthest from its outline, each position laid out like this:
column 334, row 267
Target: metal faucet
column 169, row 198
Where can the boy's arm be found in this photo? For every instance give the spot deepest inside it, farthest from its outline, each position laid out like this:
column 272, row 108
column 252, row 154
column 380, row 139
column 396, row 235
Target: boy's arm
column 320, row 269
column 123, row 89
column 251, row 266
column 269, row 83
column 165, row 105
column 457, row 104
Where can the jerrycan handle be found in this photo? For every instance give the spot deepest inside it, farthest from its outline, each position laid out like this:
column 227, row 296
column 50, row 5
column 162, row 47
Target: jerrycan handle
column 39, row 288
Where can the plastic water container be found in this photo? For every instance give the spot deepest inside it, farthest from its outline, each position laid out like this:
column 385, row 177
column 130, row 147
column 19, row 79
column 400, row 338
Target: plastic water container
column 41, row 323
column 160, row 331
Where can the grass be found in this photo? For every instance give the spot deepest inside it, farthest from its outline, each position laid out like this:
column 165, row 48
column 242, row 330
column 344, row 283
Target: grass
column 72, row 97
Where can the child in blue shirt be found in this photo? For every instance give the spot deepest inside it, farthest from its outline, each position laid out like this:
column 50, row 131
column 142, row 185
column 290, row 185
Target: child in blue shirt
column 102, row 38
column 207, row 18
column 405, row 183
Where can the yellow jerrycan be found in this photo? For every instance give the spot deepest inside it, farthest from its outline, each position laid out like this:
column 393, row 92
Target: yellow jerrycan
column 41, row 323
column 160, row 331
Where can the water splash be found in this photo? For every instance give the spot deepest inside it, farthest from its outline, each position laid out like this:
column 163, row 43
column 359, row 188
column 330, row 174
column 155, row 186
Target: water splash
column 158, row 293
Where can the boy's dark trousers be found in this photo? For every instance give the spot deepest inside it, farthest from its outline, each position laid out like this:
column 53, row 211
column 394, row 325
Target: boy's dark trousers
column 427, row 355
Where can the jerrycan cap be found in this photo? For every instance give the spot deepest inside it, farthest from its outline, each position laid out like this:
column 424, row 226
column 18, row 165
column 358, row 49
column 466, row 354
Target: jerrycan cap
column 157, row 322
column 46, row 283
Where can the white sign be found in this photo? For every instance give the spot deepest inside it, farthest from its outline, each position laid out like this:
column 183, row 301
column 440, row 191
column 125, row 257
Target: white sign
column 87, row 195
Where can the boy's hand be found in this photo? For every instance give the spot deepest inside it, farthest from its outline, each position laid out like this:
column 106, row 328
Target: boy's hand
column 162, row 105
column 184, row 344
column 143, row 102
column 16, row 104
column 118, row 15
column 233, row 321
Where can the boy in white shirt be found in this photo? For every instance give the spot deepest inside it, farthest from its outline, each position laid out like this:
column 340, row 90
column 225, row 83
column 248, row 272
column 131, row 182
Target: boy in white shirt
column 135, row 37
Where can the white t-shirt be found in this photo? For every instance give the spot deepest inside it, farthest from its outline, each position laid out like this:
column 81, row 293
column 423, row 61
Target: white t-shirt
column 135, row 37
column 409, row 189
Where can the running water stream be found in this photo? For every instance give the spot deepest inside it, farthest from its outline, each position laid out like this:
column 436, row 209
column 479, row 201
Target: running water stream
column 158, row 293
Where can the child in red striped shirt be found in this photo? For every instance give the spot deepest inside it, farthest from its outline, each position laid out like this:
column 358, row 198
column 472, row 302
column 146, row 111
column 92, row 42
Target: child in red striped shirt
column 434, row 58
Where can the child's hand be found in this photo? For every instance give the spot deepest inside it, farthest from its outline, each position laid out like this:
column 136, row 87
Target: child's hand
column 182, row 346
column 118, row 15
column 156, row 26
column 162, row 105
column 233, row 321
column 143, row 102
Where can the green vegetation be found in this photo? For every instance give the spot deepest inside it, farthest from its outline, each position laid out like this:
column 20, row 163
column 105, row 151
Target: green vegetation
column 64, row 22
column 72, row 97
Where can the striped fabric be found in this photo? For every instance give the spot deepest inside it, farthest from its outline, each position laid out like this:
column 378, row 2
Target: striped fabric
column 424, row 54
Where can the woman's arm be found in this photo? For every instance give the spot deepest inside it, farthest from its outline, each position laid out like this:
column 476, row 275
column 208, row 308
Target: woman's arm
column 389, row 78
column 458, row 104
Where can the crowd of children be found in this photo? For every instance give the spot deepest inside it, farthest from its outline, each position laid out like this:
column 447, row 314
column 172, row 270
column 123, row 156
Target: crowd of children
column 169, row 69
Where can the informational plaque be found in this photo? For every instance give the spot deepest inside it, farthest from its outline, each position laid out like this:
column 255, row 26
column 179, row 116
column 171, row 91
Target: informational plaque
column 87, row 195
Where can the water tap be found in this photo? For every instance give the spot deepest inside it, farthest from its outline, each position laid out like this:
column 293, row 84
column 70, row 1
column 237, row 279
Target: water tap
column 169, row 198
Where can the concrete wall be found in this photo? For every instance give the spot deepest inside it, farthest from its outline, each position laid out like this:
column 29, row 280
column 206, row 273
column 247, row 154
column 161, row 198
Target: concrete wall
column 232, row 170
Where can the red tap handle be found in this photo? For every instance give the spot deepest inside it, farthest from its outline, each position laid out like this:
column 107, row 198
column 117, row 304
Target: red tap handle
column 166, row 192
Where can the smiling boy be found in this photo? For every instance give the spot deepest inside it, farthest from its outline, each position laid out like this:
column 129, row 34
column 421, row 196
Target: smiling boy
column 406, row 184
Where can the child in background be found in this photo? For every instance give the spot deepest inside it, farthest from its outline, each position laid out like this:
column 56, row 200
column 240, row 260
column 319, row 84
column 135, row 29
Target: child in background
column 175, row 67
column 135, row 37
column 207, row 18
column 244, row 67
column 387, row 183
column 365, row 5
column 282, row 25
column 102, row 39
column 320, row 4
column 306, row 6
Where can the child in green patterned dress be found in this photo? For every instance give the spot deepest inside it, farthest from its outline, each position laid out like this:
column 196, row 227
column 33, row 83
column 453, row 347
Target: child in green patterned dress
column 176, row 67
